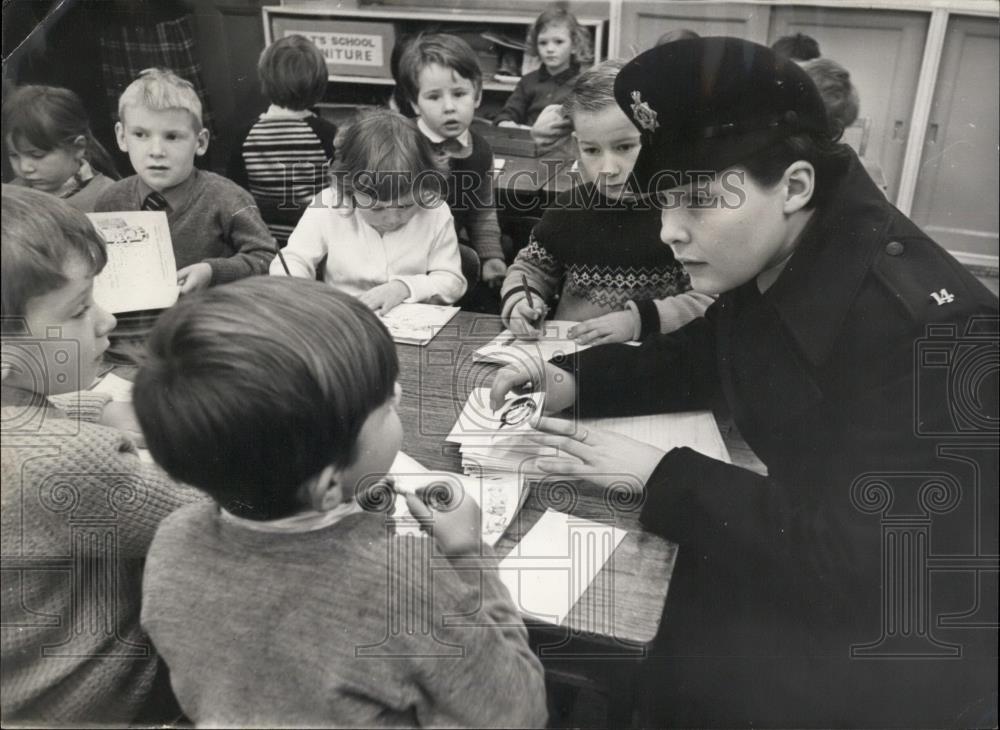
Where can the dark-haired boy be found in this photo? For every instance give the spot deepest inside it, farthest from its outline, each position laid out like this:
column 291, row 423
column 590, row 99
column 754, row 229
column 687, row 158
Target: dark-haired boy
column 283, row 158
column 440, row 77
column 79, row 507
column 804, row 598
column 285, row 603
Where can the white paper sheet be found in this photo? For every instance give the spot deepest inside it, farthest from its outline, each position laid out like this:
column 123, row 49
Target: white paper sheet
column 554, row 564
column 554, row 344
column 117, row 387
column 695, row 429
column 416, row 324
column 141, row 272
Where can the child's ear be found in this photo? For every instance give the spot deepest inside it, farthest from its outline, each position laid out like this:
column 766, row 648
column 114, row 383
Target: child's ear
column 202, row 147
column 120, row 136
column 323, row 492
column 415, row 108
column 79, row 146
column 799, row 185
column 479, row 98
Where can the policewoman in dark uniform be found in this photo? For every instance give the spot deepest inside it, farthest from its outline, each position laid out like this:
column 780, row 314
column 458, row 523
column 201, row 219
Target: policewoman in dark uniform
column 856, row 584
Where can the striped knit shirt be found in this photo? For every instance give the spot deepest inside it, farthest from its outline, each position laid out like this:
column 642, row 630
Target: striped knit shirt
column 283, row 161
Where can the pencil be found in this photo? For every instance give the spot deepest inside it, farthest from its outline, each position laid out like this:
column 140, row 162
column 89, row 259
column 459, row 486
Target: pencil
column 524, row 283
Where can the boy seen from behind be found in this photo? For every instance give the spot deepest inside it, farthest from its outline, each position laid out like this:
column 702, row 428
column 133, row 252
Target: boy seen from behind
column 275, row 604
column 217, row 231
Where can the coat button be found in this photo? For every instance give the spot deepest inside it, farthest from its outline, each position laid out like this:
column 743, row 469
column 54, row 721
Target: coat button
column 894, row 248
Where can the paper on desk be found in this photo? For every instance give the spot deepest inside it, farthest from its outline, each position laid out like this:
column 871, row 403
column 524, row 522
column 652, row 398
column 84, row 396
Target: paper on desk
column 555, row 563
column 479, row 424
column 695, row 429
column 554, row 345
column 117, row 387
column 416, row 324
column 141, row 272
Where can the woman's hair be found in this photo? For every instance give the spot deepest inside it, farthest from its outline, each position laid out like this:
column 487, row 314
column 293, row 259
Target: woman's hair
column 677, row 34
column 558, row 14
column 293, row 73
column 48, row 118
column 829, row 159
column 240, row 396
column 839, row 95
column 594, row 89
column 384, row 156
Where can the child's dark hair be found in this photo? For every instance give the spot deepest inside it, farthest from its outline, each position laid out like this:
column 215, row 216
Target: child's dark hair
column 439, row 48
column 50, row 117
column 839, row 95
column 384, row 156
column 829, row 159
column 559, row 14
column 251, row 389
column 798, row 47
column 40, row 233
column 293, row 73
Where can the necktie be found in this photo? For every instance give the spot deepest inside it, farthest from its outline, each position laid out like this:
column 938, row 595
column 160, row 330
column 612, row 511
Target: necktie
column 155, row 201
column 451, row 148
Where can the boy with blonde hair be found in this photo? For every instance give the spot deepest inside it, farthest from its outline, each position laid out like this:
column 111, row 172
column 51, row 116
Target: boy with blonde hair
column 216, row 228
column 79, row 507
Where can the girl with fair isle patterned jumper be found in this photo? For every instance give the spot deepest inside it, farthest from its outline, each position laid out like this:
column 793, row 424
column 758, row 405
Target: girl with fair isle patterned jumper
column 382, row 226
column 595, row 256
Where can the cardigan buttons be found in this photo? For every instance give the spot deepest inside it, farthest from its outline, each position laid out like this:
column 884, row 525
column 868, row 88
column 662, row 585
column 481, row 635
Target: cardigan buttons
column 894, row 248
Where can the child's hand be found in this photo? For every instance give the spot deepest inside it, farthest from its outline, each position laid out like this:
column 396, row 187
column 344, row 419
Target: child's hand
column 385, row 297
column 612, row 327
column 194, row 277
column 450, row 516
column 551, row 126
column 494, row 271
column 121, row 416
column 525, row 322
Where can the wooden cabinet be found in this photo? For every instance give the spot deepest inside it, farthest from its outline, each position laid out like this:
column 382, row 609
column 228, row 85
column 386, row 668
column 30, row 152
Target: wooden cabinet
column 959, row 183
column 644, row 21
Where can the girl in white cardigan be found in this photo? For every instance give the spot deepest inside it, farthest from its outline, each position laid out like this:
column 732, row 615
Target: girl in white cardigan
column 382, row 226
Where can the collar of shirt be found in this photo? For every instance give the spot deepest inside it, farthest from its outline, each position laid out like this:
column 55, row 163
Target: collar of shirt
column 279, row 112
column 446, row 145
column 176, row 196
column 562, row 76
column 307, row 521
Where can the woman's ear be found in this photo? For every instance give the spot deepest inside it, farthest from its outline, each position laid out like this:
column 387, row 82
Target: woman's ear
column 800, row 184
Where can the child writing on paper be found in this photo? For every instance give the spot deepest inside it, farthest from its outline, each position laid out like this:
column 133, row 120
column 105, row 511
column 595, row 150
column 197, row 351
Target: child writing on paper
column 59, row 465
column 51, row 148
column 594, row 251
column 273, row 606
column 382, row 228
column 215, row 226
column 562, row 45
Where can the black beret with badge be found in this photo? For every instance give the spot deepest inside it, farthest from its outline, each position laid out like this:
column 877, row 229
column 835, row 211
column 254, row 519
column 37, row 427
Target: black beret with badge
column 709, row 103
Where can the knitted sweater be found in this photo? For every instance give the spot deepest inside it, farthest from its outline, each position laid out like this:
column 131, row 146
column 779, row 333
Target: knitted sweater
column 334, row 627
column 597, row 257
column 423, row 254
column 79, row 511
column 211, row 219
column 282, row 160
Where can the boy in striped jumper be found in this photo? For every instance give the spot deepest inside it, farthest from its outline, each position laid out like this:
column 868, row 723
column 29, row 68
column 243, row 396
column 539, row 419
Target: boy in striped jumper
column 282, row 160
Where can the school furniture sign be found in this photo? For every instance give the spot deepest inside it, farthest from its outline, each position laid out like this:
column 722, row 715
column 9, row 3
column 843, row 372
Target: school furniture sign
column 351, row 48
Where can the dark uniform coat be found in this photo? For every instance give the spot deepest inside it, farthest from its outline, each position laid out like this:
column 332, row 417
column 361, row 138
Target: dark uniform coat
column 865, row 378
